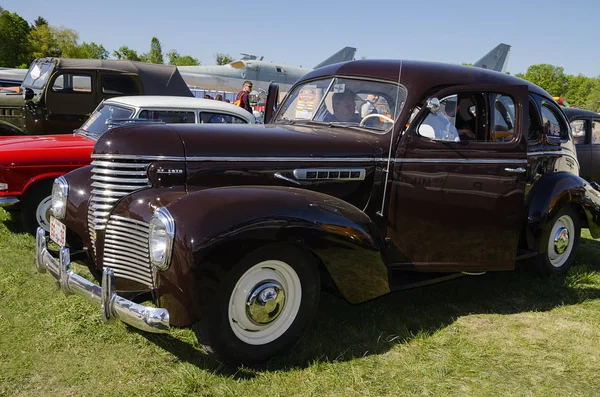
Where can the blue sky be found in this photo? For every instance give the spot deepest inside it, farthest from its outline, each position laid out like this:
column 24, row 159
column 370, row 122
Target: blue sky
column 303, row 33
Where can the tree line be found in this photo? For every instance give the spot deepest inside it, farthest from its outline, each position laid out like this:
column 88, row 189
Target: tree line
column 21, row 43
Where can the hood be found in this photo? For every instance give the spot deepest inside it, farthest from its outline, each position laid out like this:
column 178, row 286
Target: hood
column 42, row 148
column 212, row 141
column 11, row 99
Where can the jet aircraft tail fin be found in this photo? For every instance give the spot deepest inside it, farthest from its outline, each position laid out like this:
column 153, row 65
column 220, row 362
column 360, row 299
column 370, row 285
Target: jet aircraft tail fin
column 496, row 59
column 345, row 54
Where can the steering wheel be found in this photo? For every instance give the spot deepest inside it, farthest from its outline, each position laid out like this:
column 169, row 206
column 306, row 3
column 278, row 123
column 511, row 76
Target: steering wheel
column 369, row 116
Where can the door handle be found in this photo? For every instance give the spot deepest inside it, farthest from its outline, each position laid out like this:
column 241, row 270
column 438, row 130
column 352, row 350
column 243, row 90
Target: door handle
column 519, row 170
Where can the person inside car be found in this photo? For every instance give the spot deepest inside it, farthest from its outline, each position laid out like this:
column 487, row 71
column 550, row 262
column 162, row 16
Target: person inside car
column 344, row 108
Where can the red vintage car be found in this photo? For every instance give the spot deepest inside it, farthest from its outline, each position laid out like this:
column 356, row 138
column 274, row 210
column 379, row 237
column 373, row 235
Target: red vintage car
column 29, row 163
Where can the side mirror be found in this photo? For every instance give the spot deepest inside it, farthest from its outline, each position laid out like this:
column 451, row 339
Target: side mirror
column 433, row 104
column 271, row 103
column 28, row 94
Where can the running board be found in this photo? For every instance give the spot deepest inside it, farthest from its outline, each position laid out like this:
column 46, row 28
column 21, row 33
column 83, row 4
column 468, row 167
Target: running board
column 402, row 280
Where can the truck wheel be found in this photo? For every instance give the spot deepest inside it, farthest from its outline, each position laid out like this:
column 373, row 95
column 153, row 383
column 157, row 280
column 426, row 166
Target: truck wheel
column 36, row 207
column 263, row 307
column 558, row 243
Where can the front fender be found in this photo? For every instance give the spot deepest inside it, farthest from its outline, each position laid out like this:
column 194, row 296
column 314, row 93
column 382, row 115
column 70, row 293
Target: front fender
column 215, row 228
column 554, row 191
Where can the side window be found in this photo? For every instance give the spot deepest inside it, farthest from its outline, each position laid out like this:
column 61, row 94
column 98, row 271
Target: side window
column 72, row 84
column 169, row 116
column 212, row 118
column 504, row 119
column 464, row 117
column 551, row 125
column 596, row 132
column 114, row 84
column 578, row 127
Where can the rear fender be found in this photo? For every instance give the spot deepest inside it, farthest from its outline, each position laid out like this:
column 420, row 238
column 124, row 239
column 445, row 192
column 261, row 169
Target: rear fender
column 551, row 193
column 215, row 228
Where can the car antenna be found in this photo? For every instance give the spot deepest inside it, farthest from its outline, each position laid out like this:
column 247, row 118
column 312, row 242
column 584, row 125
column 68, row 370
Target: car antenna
column 389, row 159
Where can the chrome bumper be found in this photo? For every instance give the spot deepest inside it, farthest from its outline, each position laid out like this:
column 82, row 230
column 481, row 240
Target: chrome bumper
column 112, row 306
column 8, row 201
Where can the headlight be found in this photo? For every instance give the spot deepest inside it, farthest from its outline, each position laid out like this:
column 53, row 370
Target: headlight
column 60, row 190
column 162, row 231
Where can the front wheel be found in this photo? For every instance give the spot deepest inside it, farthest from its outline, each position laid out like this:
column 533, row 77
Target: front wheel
column 558, row 243
column 36, row 207
column 263, row 307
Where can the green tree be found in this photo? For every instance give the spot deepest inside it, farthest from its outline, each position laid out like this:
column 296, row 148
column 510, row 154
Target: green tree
column 125, row 52
column 14, row 43
column 67, row 42
column 578, row 89
column 92, row 51
column 178, row 60
column 223, row 59
column 43, row 42
column 39, row 21
column 593, row 100
column 551, row 78
column 155, row 55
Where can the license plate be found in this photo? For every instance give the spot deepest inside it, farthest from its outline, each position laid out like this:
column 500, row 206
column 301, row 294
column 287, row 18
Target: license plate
column 58, row 231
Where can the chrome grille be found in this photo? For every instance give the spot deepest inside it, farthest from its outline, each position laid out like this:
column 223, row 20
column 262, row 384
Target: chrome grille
column 112, row 180
column 126, row 249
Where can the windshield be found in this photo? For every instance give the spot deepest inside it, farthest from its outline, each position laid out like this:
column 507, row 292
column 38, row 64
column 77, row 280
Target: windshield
column 346, row 102
column 98, row 124
column 38, row 75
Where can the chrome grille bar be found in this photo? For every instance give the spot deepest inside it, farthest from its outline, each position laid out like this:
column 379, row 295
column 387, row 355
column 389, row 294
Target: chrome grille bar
column 113, row 180
column 126, row 249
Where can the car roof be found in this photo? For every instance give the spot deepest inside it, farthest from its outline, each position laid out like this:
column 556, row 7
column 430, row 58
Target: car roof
column 420, row 76
column 573, row 113
column 178, row 102
column 156, row 79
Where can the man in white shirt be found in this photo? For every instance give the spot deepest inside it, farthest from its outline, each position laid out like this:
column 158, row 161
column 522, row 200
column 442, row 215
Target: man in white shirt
column 369, row 106
column 438, row 125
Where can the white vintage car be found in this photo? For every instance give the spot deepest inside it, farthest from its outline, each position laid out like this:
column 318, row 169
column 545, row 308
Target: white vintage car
column 168, row 109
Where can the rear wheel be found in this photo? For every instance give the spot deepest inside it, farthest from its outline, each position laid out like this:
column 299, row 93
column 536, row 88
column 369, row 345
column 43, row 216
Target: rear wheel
column 559, row 242
column 36, row 207
column 263, row 307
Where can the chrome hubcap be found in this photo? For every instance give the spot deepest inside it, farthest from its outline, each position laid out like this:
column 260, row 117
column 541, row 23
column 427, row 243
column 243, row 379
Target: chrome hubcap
column 42, row 213
column 561, row 240
column 265, row 302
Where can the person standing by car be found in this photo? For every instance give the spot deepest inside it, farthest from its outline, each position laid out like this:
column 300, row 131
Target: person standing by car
column 242, row 100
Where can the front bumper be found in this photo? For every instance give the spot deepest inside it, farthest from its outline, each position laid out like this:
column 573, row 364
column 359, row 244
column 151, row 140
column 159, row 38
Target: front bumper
column 8, row 201
column 112, row 305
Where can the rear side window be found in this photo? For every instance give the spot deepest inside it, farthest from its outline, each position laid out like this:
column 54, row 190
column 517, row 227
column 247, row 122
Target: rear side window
column 169, row 116
column 596, row 132
column 72, row 84
column 578, row 128
column 551, row 125
column 115, row 84
column 212, row 118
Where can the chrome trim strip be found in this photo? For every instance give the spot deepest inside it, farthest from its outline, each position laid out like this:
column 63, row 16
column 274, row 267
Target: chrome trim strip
column 324, row 159
column 134, row 157
column 468, row 161
column 146, row 318
column 286, row 159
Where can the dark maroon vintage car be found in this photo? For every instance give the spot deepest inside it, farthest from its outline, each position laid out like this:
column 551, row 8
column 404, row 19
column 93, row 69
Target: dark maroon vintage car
column 372, row 176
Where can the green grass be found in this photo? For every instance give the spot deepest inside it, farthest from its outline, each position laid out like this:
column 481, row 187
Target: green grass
column 500, row 334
